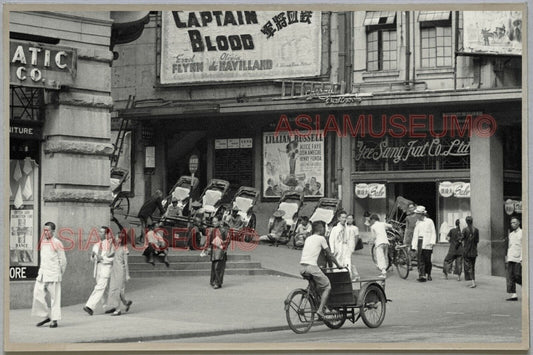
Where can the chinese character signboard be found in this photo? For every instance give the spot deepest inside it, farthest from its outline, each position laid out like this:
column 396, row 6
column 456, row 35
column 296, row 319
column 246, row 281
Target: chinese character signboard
column 496, row 32
column 293, row 164
column 207, row 46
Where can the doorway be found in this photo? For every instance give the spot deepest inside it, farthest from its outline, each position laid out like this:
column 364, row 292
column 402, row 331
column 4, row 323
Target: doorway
column 421, row 193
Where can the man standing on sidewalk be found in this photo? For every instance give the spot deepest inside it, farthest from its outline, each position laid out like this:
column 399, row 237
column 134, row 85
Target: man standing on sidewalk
column 313, row 246
column 455, row 252
column 53, row 265
column 102, row 254
column 424, row 238
column 514, row 259
column 381, row 243
column 470, row 241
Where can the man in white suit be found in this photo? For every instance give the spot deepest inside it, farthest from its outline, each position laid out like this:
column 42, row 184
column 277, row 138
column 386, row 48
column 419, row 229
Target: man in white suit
column 102, row 256
column 53, row 265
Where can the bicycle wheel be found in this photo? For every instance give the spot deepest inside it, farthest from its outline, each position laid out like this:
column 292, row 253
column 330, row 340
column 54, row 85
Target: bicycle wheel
column 334, row 318
column 300, row 311
column 374, row 307
column 402, row 262
column 121, row 206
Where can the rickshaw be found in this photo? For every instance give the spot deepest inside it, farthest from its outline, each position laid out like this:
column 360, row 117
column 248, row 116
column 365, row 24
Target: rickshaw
column 326, row 211
column 398, row 254
column 364, row 298
column 181, row 191
column 244, row 199
column 211, row 199
column 291, row 203
column 121, row 203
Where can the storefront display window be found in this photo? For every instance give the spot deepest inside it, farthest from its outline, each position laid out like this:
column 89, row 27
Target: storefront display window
column 454, row 203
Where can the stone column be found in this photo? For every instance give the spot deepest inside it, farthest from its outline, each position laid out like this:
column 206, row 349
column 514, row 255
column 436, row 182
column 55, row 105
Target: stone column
column 486, row 181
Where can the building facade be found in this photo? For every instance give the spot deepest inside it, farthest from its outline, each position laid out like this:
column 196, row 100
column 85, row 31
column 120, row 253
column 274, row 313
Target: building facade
column 418, row 104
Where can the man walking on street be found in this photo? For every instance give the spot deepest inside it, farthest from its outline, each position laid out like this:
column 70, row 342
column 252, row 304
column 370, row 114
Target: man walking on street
column 53, row 265
column 424, row 238
column 102, row 255
column 313, row 246
column 470, row 240
column 514, row 259
column 381, row 243
column 455, row 252
column 340, row 244
column 353, row 237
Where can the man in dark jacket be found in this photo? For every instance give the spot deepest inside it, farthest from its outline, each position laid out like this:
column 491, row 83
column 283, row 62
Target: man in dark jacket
column 470, row 240
column 146, row 211
column 455, row 252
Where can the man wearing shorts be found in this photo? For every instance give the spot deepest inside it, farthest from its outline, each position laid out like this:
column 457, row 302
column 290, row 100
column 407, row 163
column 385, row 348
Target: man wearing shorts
column 313, row 246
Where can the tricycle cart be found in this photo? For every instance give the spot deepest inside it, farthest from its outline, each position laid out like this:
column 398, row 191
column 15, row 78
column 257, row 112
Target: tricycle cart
column 364, row 298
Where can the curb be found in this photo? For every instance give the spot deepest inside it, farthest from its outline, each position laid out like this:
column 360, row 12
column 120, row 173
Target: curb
column 190, row 335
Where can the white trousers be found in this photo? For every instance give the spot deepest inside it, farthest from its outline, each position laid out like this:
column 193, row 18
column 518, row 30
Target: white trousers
column 40, row 306
column 381, row 257
column 98, row 292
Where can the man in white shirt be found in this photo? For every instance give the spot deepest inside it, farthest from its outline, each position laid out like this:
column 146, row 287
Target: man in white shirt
column 353, row 237
column 424, row 238
column 51, row 270
column 514, row 259
column 102, row 255
column 338, row 240
column 381, row 242
column 313, row 245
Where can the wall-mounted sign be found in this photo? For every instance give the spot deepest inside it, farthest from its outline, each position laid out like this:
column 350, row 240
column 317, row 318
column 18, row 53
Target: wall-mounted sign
column 495, row 32
column 209, row 46
column 455, row 189
column 417, row 148
column 25, row 130
column 295, row 163
column 374, row 191
column 149, row 157
column 41, row 65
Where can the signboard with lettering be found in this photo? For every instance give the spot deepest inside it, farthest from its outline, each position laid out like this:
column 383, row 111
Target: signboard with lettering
column 373, row 190
column 494, row 32
column 208, row 46
column 41, row 65
column 456, row 189
column 24, row 130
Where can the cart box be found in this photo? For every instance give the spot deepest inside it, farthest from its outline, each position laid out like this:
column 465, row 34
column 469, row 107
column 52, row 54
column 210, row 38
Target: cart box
column 341, row 288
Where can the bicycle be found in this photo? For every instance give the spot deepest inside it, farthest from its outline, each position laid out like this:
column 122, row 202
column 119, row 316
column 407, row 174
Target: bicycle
column 398, row 254
column 343, row 303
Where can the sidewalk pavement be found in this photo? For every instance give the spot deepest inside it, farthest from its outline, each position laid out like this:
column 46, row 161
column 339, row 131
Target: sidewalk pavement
column 182, row 307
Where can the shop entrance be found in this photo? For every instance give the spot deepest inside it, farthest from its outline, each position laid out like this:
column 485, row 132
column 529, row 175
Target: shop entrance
column 421, row 193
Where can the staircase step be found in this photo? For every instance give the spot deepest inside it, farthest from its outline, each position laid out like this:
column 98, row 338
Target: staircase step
column 191, row 258
column 190, row 266
column 177, row 273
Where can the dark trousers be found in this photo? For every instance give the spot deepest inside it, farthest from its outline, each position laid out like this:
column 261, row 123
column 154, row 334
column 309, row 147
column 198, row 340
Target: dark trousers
column 448, row 262
column 423, row 260
column 470, row 270
column 514, row 276
column 217, row 272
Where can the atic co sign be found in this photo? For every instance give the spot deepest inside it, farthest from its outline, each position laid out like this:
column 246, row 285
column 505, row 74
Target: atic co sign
column 40, row 65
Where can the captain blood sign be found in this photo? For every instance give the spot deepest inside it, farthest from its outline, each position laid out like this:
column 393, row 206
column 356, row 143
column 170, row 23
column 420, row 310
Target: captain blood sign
column 201, row 46
column 38, row 65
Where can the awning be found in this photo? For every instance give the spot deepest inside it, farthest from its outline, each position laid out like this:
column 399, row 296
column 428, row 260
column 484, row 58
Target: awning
column 373, row 18
column 425, row 16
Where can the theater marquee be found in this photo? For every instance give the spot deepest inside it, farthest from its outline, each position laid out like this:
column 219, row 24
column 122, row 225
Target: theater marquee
column 207, row 46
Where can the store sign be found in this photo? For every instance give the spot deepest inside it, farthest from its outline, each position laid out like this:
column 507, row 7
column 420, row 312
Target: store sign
column 214, row 46
column 416, row 148
column 234, row 143
column 23, row 131
column 455, row 189
column 295, row 163
column 493, row 32
column 41, row 65
column 374, row 191
column 513, row 206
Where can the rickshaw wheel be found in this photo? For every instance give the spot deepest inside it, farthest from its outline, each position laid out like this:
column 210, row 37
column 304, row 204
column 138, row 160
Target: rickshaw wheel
column 300, row 312
column 374, row 307
column 334, row 319
column 402, row 262
column 121, row 206
column 252, row 222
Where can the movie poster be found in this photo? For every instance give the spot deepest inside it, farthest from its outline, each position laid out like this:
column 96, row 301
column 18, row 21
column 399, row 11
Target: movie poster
column 21, row 236
column 295, row 163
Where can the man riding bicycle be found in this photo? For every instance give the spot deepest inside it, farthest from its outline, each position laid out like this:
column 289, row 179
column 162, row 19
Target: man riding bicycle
column 313, row 246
